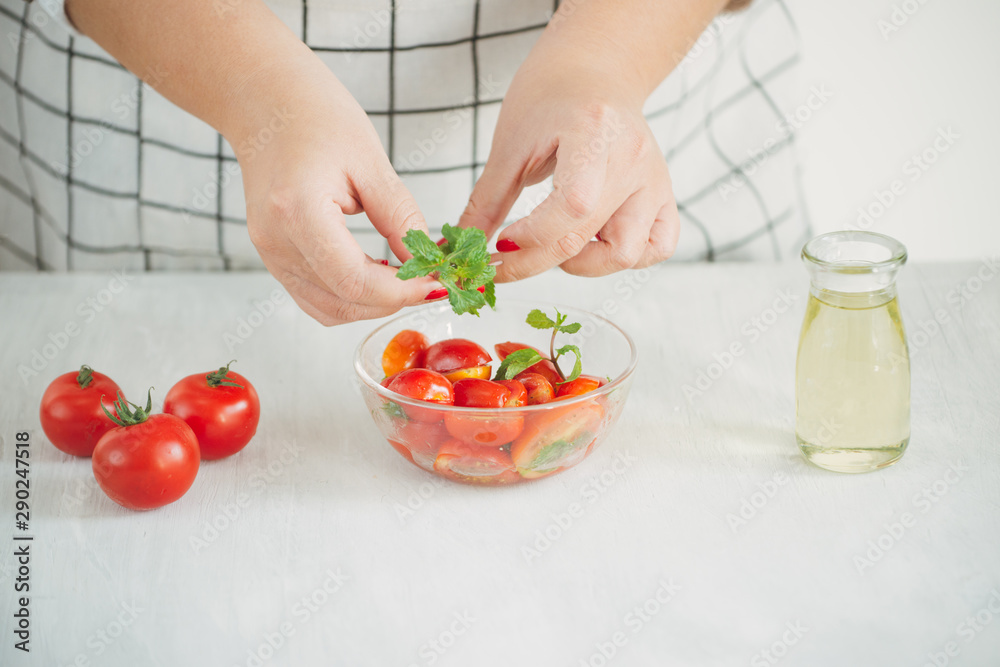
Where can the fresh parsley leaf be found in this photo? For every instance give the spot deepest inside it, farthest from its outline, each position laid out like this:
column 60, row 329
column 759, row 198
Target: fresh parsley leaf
column 461, row 264
column 539, row 320
column 578, row 366
column 517, row 362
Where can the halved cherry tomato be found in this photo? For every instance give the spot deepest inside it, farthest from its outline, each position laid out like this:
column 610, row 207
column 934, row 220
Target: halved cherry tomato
column 479, row 372
column 401, row 448
column 539, row 389
column 518, row 393
column 556, row 439
column 474, row 393
column 422, row 441
column 454, row 354
column 491, row 429
column 545, row 368
column 423, row 385
column 406, row 350
column 471, row 464
column 581, row 385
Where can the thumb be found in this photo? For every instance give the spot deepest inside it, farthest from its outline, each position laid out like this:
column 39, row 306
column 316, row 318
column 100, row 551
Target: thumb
column 493, row 196
column 389, row 206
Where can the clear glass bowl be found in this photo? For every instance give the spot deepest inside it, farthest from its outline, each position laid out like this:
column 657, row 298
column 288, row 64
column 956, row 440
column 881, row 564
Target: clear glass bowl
column 537, row 440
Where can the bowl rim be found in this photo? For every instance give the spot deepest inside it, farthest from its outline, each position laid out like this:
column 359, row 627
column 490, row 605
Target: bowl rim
column 541, row 407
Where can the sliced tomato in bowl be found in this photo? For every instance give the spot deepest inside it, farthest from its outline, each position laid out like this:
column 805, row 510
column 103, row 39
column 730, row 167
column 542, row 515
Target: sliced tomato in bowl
column 491, row 429
column 423, row 385
column 545, row 367
column 421, row 441
column 406, row 350
column 472, row 464
column 556, row 439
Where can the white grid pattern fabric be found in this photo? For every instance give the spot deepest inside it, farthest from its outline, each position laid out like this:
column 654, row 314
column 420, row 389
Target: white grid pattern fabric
column 99, row 171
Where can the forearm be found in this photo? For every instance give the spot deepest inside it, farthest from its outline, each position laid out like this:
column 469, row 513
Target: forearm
column 230, row 64
column 634, row 44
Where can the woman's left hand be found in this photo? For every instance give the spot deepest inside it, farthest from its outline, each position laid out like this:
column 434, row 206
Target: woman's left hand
column 585, row 127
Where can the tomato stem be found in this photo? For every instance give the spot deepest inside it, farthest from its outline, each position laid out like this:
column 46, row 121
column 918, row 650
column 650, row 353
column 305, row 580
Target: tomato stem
column 219, row 378
column 126, row 417
column 85, row 376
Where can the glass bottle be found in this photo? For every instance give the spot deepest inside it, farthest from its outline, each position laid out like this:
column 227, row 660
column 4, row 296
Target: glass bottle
column 852, row 377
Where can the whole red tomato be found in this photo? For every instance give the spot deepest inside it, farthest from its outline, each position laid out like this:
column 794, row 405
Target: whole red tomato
column 221, row 408
column 71, row 412
column 148, row 461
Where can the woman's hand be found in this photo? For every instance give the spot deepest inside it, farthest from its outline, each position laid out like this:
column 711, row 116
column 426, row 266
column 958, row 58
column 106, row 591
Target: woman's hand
column 327, row 163
column 609, row 177
column 574, row 111
column 236, row 66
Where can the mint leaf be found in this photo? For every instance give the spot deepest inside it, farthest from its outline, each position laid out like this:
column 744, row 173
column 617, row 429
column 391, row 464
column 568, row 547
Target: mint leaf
column 421, row 246
column 491, row 292
column 551, row 455
column 462, row 300
column 517, row 362
column 393, row 410
column 539, row 320
column 450, row 235
column 461, row 264
column 570, row 328
column 417, row 266
column 578, row 366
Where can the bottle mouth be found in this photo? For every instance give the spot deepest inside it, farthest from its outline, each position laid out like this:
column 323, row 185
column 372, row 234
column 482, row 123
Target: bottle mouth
column 854, row 252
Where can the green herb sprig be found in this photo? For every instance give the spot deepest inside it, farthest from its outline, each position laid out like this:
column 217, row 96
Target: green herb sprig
column 520, row 360
column 461, row 263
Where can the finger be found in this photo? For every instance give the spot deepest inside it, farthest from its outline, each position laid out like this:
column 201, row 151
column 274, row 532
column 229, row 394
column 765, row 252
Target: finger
column 623, row 239
column 329, row 310
column 560, row 227
column 663, row 236
column 343, row 269
column 390, row 207
column 494, row 194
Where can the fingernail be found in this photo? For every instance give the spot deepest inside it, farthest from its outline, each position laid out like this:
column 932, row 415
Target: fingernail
column 436, row 294
column 442, row 242
column 384, row 262
column 598, row 236
column 481, row 289
column 506, row 245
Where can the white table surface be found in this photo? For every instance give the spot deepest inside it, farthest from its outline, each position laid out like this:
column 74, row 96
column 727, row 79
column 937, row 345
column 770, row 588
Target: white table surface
column 114, row 587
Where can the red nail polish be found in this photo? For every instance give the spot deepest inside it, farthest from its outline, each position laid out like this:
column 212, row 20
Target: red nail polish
column 506, row 245
column 436, row 294
column 442, row 242
column 384, row 262
column 481, row 289
column 598, row 236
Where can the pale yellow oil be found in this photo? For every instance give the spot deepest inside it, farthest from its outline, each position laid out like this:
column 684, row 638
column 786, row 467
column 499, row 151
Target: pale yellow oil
column 852, row 389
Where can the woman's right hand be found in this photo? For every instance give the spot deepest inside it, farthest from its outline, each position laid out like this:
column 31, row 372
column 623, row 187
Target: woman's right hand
column 325, row 161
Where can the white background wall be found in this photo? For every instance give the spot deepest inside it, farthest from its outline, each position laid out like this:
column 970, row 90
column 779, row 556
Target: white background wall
column 940, row 69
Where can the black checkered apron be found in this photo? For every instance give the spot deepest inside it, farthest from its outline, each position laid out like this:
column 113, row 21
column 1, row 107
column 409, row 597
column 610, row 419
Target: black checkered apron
column 98, row 171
